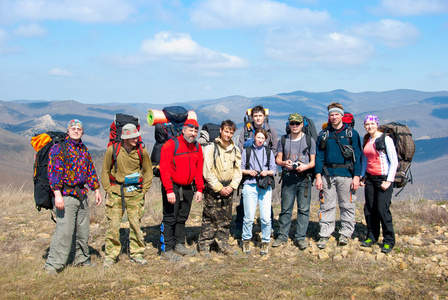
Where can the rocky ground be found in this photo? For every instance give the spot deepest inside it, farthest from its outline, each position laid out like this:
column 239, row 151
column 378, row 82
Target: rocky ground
column 416, row 268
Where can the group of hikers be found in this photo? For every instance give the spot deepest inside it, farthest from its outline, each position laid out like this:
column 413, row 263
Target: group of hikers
column 336, row 161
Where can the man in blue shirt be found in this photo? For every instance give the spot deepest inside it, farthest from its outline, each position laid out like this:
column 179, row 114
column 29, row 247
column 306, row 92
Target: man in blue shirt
column 338, row 169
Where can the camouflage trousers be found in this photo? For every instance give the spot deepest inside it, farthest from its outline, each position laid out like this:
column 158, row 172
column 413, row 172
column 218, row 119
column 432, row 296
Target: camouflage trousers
column 216, row 218
column 114, row 214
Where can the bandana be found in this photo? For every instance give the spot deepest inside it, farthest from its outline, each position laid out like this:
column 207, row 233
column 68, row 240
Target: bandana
column 74, row 122
column 371, row 118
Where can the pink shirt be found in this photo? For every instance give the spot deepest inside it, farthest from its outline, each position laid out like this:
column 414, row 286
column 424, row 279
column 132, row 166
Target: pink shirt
column 377, row 162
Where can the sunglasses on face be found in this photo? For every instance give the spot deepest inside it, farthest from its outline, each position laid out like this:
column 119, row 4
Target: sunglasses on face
column 295, row 124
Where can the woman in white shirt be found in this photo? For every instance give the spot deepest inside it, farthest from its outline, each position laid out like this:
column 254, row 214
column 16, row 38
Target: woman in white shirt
column 379, row 165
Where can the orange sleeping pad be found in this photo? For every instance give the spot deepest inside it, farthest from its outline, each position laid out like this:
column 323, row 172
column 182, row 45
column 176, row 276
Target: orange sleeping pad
column 157, row 116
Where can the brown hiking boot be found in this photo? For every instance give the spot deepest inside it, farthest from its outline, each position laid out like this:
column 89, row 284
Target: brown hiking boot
column 227, row 250
column 264, row 248
column 184, row 251
column 246, row 247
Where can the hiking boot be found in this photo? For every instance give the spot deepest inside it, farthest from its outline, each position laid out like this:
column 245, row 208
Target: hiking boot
column 302, row 244
column 264, row 248
column 139, row 260
column 51, row 271
column 88, row 263
column 246, row 247
column 204, row 251
column 182, row 250
column 108, row 262
column 227, row 250
column 386, row 248
column 343, row 240
column 170, row 256
column 322, row 243
column 367, row 243
column 278, row 242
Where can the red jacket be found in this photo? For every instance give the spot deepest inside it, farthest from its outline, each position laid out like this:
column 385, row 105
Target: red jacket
column 182, row 168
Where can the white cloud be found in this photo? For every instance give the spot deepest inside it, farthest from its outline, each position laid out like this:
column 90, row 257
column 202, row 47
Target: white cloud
column 213, row 14
column 4, row 47
column 86, row 11
column 412, row 7
column 392, row 33
column 180, row 48
column 328, row 49
column 30, row 30
column 60, row 72
column 436, row 75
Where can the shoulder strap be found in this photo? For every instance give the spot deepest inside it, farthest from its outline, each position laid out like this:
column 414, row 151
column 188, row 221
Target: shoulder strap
column 115, row 150
column 248, row 152
column 216, row 152
column 268, row 154
column 283, row 141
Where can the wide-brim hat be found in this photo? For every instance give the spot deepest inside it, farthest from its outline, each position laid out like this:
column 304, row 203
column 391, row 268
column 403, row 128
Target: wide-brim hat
column 129, row 131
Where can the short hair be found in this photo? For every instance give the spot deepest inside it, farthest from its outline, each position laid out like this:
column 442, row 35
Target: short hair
column 230, row 124
column 257, row 109
column 261, row 130
column 335, row 104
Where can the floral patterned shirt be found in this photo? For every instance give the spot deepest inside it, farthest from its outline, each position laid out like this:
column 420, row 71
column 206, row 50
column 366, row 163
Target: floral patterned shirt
column 78, row 168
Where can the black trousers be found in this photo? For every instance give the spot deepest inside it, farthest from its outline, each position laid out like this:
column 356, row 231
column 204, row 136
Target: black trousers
column 377, row 210
column 172, row 229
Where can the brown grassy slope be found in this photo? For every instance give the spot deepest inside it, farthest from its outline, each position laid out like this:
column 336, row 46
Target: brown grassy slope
column 417, row 268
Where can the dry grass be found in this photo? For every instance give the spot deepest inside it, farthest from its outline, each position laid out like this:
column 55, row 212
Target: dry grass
column 25, row 235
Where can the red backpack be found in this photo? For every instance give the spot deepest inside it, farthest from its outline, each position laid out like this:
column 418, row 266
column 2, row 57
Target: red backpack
column 115, row 136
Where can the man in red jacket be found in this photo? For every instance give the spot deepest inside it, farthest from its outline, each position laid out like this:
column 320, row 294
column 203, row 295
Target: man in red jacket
column 181, row 163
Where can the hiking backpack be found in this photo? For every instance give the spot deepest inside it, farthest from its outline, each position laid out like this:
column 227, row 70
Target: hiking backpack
column 405, row 147
column 209, row 132
column 42, row 143
column 176, row 115
column 115, row 136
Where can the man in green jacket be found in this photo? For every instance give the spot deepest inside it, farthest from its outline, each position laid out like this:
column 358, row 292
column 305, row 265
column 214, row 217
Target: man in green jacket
column 131, row 159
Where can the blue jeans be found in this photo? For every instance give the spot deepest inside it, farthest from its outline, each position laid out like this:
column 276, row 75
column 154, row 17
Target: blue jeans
column 252, row 196
column 295, row 185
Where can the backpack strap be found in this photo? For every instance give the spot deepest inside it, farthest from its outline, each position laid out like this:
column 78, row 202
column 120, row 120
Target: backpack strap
column 176, row 147
column 216, row 152
column 248, row 152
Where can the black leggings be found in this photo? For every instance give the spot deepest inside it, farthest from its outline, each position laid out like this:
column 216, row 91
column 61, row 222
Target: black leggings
column 377, row 210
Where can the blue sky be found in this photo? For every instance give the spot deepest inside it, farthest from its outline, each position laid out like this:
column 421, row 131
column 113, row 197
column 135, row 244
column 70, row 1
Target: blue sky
column 164, row 51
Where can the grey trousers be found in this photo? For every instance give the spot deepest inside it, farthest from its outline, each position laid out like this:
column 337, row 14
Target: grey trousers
column 339, row 193
column 74, row 219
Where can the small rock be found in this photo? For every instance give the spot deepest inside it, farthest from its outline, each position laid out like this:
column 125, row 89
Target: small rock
column 416, row 241
column 403, row 266
column 380, row 256
column 338, row 257
column 323, row 255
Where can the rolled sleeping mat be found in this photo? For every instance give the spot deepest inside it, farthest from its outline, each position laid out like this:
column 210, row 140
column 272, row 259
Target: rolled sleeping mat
column 157, row 116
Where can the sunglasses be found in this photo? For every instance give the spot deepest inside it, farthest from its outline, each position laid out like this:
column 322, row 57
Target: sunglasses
column 295, row 124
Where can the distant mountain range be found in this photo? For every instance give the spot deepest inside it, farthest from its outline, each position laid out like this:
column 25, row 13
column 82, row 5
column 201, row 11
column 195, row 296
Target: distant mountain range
column 426, row 114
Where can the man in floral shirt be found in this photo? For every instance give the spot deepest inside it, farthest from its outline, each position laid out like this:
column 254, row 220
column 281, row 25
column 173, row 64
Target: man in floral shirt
column 70, row 168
